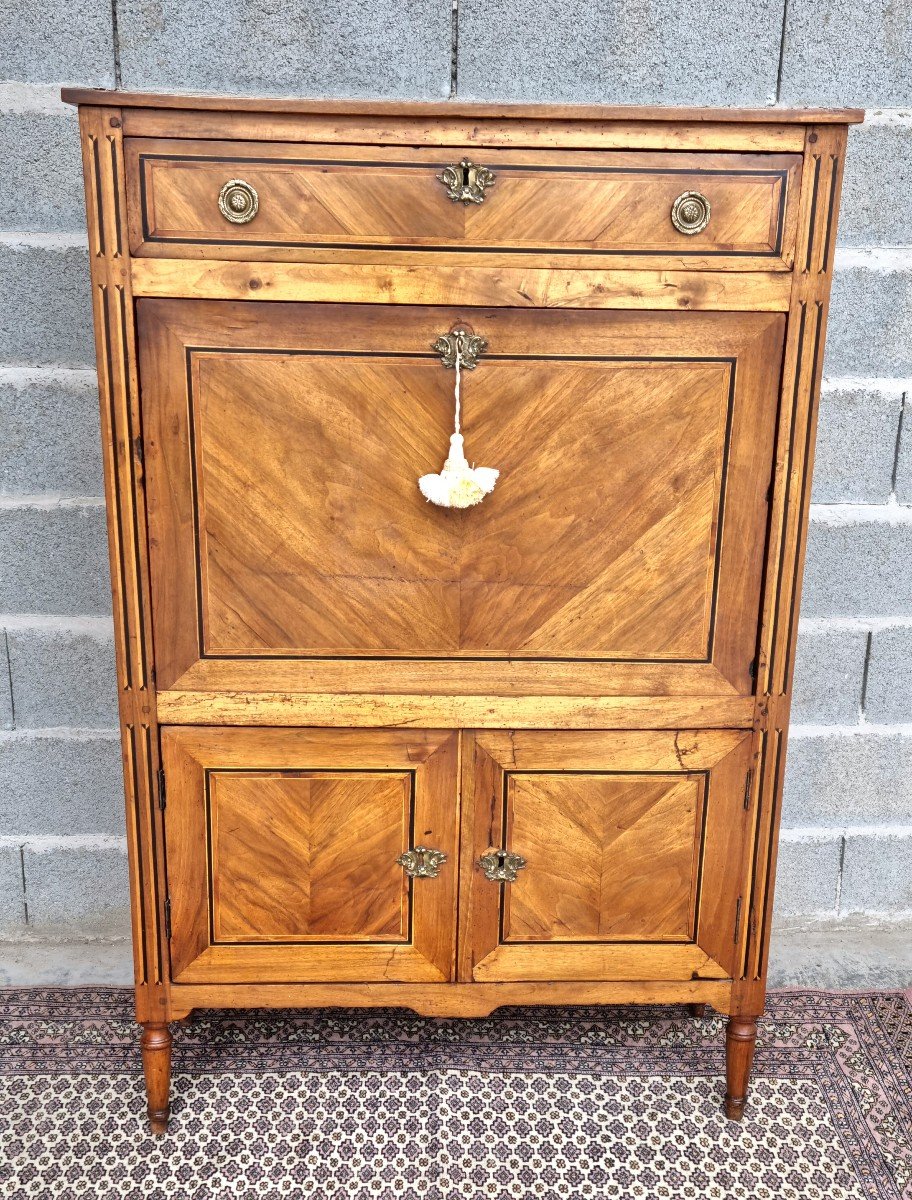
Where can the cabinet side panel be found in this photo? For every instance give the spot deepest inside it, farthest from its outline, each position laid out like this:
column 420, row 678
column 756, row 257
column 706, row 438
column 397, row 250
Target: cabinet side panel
column 112, row 304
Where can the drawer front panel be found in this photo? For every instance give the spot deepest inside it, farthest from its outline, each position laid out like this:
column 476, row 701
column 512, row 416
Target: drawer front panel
column 629, row 855
column 304, row 198
column 284, row 445
column 284, row 851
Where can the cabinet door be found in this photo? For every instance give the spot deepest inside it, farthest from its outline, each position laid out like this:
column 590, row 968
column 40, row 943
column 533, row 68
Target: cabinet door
column 625, row 536
column 282, row 850
column 628, row 853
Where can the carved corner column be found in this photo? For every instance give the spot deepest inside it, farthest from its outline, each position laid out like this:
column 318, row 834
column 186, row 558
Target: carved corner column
column 822, row 180
column 112, row 302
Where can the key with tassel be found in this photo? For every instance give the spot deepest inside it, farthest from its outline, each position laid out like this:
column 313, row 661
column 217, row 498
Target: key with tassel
column 458, row 485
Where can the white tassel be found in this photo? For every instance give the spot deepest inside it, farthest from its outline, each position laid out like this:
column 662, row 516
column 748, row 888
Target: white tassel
column 458, row 485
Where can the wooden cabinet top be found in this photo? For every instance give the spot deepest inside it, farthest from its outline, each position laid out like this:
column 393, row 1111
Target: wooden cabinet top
column 460, row 108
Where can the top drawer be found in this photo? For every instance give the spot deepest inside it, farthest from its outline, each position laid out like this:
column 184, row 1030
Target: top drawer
column 272, row 200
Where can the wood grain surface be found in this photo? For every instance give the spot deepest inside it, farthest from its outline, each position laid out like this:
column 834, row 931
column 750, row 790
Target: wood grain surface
column 610, row 857
column 353, row 197
column 309, row 855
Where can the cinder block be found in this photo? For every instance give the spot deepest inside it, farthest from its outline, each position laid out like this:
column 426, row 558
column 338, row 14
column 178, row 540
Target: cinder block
column 55, row 559
column 888, row 697
column 52, row 784
column 6, row 694
column 870, row 325
column 878, row 170
column 616, row 52
column 46, row 41
column 77, row 893
column 12, row 899
column 847, row 54
column 848, row 778
column 877, row 873
column 829, row 667
column 45, row 192
column 858, row 568
column 45, row 302
column 346, row 48
column 63, row 676
column 807, row 875
column 49, row 432
column 856, row 444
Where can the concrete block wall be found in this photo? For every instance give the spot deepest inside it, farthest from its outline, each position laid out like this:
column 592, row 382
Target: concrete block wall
column 846, row 858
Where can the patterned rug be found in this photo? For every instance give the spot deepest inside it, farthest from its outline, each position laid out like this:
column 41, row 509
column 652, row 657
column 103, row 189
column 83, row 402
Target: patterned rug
column 539, row 1103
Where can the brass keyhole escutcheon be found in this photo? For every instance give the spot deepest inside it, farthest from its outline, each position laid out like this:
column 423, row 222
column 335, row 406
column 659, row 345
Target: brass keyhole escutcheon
column 690, row 213
column 466, row 181
column 238, row 201
column 501, row 866
column 462, row 343
column 422, row 863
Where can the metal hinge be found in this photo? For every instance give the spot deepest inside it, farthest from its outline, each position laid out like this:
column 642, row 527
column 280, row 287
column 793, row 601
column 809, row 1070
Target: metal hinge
column 738, row 920
column 161, row 788
column 168, row 917
column 747, row 788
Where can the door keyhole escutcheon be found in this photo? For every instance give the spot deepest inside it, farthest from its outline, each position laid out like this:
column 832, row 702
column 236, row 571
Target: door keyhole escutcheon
column 422, row 863
column 501, row 866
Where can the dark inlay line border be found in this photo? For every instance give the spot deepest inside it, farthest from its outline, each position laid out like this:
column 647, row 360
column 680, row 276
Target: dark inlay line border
column 703, row 775
column 189, row 353
column 412, row 774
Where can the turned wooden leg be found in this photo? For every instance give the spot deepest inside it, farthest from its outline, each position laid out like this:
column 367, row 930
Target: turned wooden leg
column 697, row 1010
column 155, row 1044
column 740, row 1039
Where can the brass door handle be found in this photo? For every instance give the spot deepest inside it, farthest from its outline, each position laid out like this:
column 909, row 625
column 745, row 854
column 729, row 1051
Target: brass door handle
column 501, row 866
column 238, row 201
column 422, row 863
column 690, row 213
column 466, row 181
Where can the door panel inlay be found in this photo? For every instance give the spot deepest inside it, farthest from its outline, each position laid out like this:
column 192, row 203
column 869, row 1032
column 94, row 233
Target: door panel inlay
column 308, row 855
column 610, row 857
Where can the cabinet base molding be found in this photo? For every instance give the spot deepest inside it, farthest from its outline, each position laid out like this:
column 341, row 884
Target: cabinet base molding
column 444, row 999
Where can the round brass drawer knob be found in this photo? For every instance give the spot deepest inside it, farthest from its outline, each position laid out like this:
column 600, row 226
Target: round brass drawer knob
column 238, row 201
column 690, row 213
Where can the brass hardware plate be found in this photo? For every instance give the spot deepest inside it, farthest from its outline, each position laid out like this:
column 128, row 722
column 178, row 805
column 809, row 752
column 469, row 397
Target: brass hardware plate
column 501, row 866
column 238, row 201
column 465, row 181
column 690, row 213
column 422, row 863
column 468, row 345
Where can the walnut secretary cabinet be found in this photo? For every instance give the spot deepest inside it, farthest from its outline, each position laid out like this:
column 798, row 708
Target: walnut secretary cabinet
column 380, row 752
